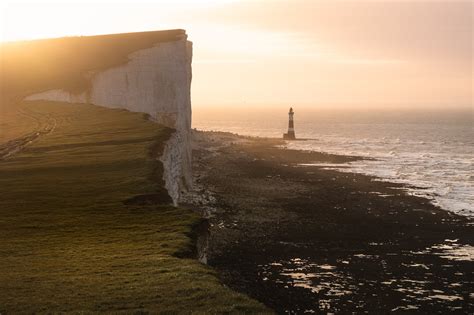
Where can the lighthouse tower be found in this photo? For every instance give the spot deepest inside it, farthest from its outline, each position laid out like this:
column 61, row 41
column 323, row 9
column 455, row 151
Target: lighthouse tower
column 291, row 128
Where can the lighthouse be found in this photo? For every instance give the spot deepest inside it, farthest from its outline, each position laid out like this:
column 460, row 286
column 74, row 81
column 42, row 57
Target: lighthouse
column 291, row 128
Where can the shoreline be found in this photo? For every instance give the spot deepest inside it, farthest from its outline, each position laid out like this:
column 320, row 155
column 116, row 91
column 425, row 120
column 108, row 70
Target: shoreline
column 303, row 238
column 439, row 170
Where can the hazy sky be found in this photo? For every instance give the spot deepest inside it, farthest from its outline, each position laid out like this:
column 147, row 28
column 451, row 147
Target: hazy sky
column 334, row 53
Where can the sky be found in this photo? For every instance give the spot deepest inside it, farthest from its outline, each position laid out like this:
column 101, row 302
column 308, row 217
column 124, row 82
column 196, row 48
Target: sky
column 316, row 53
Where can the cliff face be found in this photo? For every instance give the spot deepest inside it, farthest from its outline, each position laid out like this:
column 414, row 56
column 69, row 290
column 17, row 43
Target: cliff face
column 156, row 81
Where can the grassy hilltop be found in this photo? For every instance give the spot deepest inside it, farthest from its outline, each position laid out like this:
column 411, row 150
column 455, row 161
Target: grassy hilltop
column 74, row 238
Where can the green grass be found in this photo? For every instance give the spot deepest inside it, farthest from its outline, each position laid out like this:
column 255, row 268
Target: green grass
column 69, row 243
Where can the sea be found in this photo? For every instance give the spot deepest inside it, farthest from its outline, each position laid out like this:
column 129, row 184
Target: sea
column 431, row 152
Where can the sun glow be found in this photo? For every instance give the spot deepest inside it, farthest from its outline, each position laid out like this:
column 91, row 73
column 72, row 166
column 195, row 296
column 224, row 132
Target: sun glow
column 25, row 20
column 301, row 52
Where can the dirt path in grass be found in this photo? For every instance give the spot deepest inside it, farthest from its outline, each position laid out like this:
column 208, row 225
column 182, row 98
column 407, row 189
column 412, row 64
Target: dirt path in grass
column 41, row 124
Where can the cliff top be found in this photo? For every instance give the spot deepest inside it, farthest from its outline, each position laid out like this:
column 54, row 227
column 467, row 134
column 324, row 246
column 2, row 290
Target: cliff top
column 33, row 66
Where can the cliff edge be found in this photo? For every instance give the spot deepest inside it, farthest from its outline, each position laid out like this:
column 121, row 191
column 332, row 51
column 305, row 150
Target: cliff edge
column 148, row 72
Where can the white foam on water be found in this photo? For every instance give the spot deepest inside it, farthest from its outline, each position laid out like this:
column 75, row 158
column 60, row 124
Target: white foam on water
column 438, row 170
column 444, row 178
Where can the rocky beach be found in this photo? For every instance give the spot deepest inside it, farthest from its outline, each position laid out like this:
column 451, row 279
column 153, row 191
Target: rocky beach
column 302, row 238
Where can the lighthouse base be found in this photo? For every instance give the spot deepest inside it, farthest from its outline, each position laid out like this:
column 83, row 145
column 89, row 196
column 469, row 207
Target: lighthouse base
column 289, row 136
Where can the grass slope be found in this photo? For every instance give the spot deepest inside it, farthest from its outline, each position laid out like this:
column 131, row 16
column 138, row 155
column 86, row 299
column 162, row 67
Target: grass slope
column 69, row 243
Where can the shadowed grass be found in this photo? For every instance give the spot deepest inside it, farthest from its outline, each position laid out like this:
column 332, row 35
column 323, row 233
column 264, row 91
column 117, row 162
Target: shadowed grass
column 69, row 243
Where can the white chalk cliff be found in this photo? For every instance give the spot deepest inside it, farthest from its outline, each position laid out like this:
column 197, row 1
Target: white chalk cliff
column 156, row 81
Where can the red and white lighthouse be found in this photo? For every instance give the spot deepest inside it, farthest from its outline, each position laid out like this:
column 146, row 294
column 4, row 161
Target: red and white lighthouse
column 291, row 127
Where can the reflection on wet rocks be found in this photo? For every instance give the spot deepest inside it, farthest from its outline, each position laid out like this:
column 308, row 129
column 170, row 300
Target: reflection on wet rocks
column 320, row 279
column 410, row 285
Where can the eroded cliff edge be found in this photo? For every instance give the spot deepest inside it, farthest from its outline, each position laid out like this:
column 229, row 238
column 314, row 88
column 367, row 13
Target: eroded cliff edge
column 156, row 81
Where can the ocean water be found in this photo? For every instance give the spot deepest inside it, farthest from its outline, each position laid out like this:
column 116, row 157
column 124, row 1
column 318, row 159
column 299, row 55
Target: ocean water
column 431, row 152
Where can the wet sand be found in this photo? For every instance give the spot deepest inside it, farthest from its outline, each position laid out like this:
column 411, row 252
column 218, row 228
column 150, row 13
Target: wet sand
column 304, row 239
